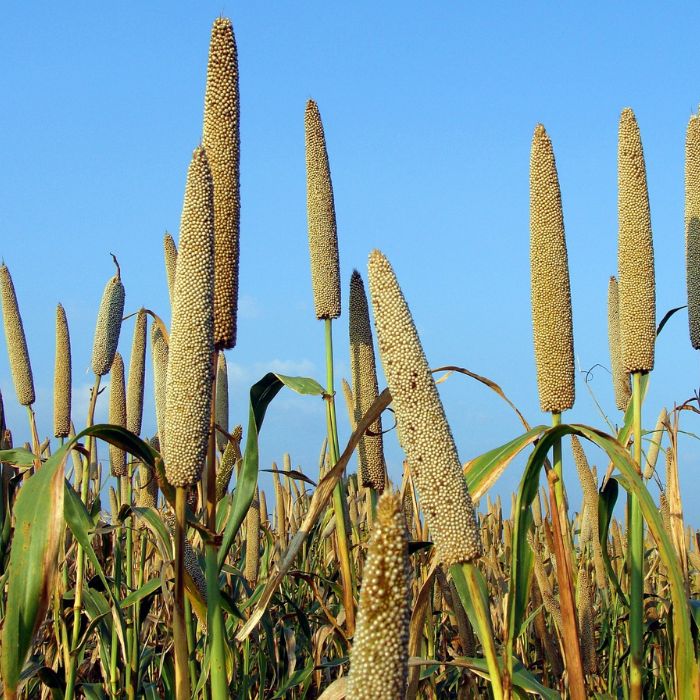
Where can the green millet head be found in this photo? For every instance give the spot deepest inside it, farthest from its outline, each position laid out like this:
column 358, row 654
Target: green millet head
column 635, row 257
column 221, row 411
column 188, row 390
column 117, row 413
column 320, row 210
column 137, row 373
column 620, row 378
column 379, row 656
column 62, row 377
column 252, row 541
column 108, row 326
column 422, row 427
column 16, row 342
column 221, row 139
column 170, row 250
column 365, row 388
column 549, row 280
column 159, row 355
column 692, row 226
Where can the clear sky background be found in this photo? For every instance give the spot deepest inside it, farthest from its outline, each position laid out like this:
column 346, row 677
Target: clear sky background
column 429, row 110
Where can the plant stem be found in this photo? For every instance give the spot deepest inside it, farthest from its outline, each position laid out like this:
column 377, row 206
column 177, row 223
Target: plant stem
column 190, row 642
column 80, row 554
column 636, row 552
column 219, row 682
column 131, row 638
column 182, row 679
column 35, row 437
column 339, row 491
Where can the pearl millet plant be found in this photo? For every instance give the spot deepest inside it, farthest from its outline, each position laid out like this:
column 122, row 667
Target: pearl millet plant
column 221, row 139
column 549, row 279
column 159, row 356
column 62, row 377
column 365, row 388
column 137, row 371
column 16, row 342
column 170, row 252
column 635, row 252
column 188, row 388
column 231, row 454
column 108, row 326
column 423, row 431
column 221, row 401
column 323, row 237
column 117, row 413
column 692, row 226
column 620, row 378
column 379, row 656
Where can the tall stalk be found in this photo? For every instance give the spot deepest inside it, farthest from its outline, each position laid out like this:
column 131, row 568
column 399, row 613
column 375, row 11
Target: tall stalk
column 636, row 552
column 182, row 678
column 219, row 682
column 80, row 554
column 339, row 491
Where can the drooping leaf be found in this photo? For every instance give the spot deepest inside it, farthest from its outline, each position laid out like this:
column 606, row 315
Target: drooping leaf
column 33, row 564
column 483, row 471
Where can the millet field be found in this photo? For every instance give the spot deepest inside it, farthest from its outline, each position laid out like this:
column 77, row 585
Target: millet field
column 157, row 566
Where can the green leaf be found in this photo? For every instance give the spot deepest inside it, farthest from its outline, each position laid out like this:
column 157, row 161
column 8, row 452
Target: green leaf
column 261, row 394
column 483, row 471
column 33, row 563
column 684, row 657
column 19, row 457
column 298, row 677
column 78, row 520
column 606, row 503
column 147, row 589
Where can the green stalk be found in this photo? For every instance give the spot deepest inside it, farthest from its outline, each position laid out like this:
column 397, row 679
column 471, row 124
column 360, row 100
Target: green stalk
column 219, row 681
column 117, row 585
column 137, row 610
column 182, row 679
column 190, row 642
column 339, row 498
column 636, row 552
column 80, row 554
column 465, row 578
column 131, row 640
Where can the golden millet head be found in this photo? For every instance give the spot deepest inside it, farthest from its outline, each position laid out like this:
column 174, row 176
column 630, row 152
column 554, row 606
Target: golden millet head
column 159, row 355
column 221, row 401
column 635, row 257
column 621, row 380
column 221, row 139
column 148, row 487
column 189, row 374
column 62, row 377
column 16, row 342
column 108, row 326
column 117, row 413
column 379, row 656
column 137, row 373
column 170, row 250
column 422, row 427
column 692, row 226
column 320, row 209
column 365, row 388
column 549, row 280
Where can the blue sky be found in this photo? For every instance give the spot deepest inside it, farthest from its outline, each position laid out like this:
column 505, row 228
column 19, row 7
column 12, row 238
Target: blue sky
column 429, row 111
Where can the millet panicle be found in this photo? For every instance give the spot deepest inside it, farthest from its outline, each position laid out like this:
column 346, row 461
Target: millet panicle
column 423, row 431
